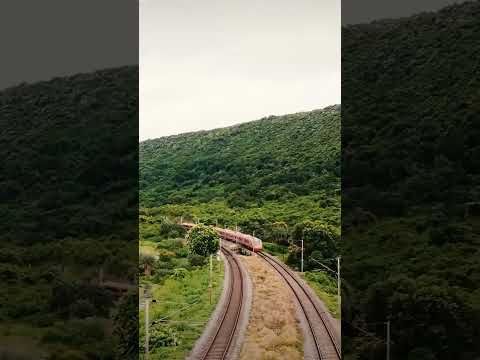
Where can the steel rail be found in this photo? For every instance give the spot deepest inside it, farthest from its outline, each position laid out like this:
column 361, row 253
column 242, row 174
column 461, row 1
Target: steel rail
column 285, row 272
column 219, row 346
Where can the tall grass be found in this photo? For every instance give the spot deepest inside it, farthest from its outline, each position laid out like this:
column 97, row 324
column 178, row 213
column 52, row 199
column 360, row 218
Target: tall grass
column 182, row 300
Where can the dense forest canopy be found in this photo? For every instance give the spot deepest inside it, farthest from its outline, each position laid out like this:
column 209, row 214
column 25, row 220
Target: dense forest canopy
column 69, row 207
column 410, row 186
column 274, row 159
column 68, row 149
column 268, row 177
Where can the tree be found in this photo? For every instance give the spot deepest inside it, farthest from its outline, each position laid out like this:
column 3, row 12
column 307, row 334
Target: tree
column 319, row 238
column 204, row 240
column 126, row 327
column 280, row 232
column 148, row 262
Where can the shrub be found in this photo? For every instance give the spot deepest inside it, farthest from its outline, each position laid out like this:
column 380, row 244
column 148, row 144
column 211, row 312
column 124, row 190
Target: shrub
column 326, row 281
column 68, row 355
column 126, row 327
column 75, row 332
column 82, row 308
column 163, row 336
column 165, row 255
column 182, row 252
column 197, row 260
column 180, row 273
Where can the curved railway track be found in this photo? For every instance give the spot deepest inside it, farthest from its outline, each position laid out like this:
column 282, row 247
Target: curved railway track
column 325, row 337
column 219, row 345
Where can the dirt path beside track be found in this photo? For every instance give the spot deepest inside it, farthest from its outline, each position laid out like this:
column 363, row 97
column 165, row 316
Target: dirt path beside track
column 273, row 330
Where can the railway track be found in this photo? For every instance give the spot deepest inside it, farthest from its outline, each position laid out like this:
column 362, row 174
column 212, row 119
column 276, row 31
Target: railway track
column 325, row 337
column 219, row 346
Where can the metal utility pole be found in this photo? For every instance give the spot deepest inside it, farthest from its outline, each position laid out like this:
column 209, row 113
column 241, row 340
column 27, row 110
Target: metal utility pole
column 210, row 279
column 147, row 330
column 301, row 267
column 388, row 339
column 147, row 298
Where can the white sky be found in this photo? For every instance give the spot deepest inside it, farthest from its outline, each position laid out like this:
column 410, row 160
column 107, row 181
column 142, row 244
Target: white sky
column 213, row 63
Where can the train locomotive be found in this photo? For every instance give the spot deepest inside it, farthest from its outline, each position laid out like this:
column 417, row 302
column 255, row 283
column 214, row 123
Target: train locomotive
column 248, row 241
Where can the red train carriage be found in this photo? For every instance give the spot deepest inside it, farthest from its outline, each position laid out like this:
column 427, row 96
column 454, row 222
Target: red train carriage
column 248, row 241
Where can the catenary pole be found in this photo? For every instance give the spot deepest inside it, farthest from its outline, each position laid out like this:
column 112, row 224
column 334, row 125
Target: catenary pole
column 301, row 266
column 147, row 329
column 210, row 279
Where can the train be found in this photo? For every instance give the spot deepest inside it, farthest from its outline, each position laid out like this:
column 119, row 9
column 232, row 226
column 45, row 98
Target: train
column 248, row 241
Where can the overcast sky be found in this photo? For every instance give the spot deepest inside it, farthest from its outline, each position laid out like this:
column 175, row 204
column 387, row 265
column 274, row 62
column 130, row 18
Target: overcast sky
column 364, row 11
column 213, row 63
column 44, row 39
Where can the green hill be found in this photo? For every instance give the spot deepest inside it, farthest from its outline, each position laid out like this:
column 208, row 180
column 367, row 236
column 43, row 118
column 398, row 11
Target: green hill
column 69, row 151
column 410, row 187
column 280, row 168
column 69, row 205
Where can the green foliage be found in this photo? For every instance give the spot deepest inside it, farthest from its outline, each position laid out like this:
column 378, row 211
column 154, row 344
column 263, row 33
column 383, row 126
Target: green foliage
column 175, row 338
column 180, row 273
column 82, row 308
column 68, row 188
column 75, row 332
column 126, row 328
column 63, row 131
column 156, row 228
column 329, row 283
column 203, row 240
column 273, row 159
column 197, row 260
column 325, row 286
column 262, row 220
column 275, row 249
column 410, row 170
column 147, row 260
column 163, row 336
column 320, row 241
column 73, row 296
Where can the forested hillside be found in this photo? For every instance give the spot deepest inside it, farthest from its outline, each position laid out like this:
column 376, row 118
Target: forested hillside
column 68, row 204
column 410, row 191
column 261, row 164
column 68, row 146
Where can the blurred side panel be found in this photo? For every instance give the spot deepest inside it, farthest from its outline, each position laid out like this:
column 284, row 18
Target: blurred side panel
column 410, row 180
column 69, row 180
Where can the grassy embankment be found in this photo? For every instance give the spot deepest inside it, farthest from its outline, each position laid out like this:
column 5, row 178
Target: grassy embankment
column 179, row 284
